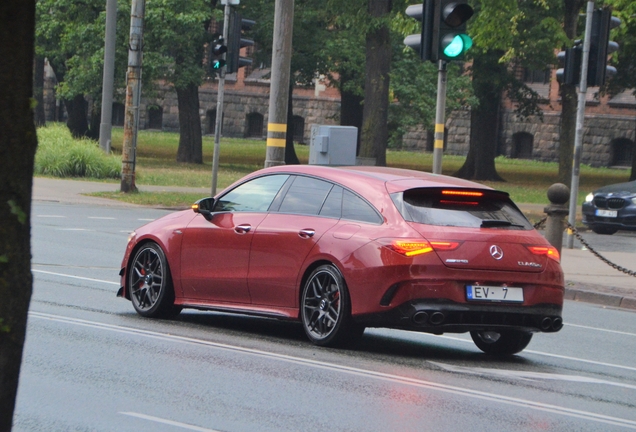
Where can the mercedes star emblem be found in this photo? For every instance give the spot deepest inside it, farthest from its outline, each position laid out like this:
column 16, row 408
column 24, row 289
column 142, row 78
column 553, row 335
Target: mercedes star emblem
column 496, row 252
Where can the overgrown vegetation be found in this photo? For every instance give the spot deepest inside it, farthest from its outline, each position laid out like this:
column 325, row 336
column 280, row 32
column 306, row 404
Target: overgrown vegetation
column 60, row 155
column 526, row 180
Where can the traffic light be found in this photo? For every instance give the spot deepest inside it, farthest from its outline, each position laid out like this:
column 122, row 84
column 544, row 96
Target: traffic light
column 422, row 42
column 601, row 46
column 449, row 40
column 570, row 60
column 216, row 54
column 236, row 41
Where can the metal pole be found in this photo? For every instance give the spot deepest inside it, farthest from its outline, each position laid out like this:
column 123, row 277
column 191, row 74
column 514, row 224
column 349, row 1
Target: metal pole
column 106, row 125
column 279, row 88
column 580, row 119
column 440, row 112
column 218, row 121
column 133, row 96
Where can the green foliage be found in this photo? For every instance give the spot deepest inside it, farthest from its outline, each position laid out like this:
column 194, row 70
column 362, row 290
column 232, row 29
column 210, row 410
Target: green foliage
column 4, row 259
column 60, row 155
column 17, row 211
column 3, row 327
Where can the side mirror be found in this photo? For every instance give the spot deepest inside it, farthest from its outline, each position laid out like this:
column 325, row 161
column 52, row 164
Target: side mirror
column 204, row 206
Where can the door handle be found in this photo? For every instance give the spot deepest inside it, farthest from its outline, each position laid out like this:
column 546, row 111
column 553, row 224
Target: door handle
column 242, row 229
column 306, row 233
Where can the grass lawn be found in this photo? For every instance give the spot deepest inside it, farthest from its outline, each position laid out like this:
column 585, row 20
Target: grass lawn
column 527, row 181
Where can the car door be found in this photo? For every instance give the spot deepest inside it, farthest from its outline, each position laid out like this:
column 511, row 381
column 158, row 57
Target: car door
column 216, row 250
column 286, row 236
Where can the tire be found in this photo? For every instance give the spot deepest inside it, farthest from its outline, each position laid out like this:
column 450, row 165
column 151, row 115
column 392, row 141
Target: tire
column 504, row 343
column 604, row 230
column 325, row 309
column 150, row 283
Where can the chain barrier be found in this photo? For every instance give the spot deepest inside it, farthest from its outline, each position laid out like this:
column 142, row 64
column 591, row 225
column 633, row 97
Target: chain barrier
column 541, row 224
column 598, row 255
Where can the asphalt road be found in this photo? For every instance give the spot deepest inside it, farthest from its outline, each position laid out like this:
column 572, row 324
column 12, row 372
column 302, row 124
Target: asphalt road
column 92, row 364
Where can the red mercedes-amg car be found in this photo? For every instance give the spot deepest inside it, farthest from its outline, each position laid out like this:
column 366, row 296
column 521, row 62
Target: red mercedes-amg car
column 344, row 248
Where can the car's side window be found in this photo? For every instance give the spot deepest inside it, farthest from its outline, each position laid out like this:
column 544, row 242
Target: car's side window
column 355, row 208
column 333, row 204
column 253, row 196
column 306, row 195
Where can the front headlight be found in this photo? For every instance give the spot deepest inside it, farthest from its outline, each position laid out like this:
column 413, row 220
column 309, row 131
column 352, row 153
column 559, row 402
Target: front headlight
column 634, row 200
column 131, row 236
column 589, row 197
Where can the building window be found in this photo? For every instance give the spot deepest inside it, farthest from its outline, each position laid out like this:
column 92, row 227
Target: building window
column 119, row 111
column 254, row 125
column 210, row 122
column 522, row 144
column 535, row 76
column 155, row 117
column 622, row 152
column 299, row 129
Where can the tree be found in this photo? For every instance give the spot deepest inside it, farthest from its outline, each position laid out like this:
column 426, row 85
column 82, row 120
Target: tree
column 18, row 143
column 569, row 99
column 70, row 35
column 507, row 35
column 175, row 37
column 625, row 57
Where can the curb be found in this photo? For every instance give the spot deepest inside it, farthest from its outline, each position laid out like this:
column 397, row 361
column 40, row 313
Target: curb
column 611, row 299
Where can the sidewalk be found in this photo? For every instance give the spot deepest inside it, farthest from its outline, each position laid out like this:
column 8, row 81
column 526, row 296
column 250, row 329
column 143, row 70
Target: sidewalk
column 588, row 279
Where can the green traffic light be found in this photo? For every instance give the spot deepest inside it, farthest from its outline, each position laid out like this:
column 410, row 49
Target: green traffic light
column 458, row 46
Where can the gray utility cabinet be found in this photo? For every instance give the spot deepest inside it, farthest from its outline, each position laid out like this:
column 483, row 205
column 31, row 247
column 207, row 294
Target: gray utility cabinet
column 333, row 145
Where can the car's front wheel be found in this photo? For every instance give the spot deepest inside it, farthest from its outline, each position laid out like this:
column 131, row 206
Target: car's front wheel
column 150, row 283
column 504, row 342
column 326, row 308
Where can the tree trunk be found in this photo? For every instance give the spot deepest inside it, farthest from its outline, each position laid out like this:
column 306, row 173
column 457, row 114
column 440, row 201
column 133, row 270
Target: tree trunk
column 375, row 132
column 350, row 109
column 484, row 119
column 190, row 139
column 18, row 142
column 38, row 90
column 77, row 110
column 290, row 152
column 95, row 122
column 569, row 100
column 633, row 174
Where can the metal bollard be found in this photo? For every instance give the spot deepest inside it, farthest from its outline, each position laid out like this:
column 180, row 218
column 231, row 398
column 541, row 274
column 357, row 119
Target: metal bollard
column 557, row 211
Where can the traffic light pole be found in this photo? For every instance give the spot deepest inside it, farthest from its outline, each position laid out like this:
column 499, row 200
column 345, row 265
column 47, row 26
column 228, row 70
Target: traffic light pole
column 438, row 149
column 580, row 118
column 218, row 121
column 279, row 87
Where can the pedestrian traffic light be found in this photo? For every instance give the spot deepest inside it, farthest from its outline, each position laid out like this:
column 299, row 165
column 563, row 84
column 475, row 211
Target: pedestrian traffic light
column 570, row 60
column 601, row 46
column 216, row 55
column 236, row 41
column 450, row 41
column 422, row 42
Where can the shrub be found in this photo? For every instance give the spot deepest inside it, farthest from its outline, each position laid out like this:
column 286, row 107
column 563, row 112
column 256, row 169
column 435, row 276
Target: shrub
column 60, row 155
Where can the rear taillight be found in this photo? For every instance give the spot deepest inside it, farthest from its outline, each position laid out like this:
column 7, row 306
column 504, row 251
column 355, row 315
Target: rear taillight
column 413, row 247
column 549, row 251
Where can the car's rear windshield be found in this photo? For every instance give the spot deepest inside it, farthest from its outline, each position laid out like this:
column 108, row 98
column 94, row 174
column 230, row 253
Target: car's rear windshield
column 459, row 207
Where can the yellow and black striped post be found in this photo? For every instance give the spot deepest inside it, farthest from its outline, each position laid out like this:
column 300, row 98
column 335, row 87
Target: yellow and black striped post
column 279, row 87
column 438, row 148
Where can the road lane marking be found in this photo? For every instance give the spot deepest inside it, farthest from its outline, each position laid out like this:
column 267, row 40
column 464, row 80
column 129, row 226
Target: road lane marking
column 600, row 329
column 168, row 422
column 562, row 357
column 101, row 217
column 542, row 353
column 527, row 375
column 145, row 219
column 429, row 385
column 75, row 277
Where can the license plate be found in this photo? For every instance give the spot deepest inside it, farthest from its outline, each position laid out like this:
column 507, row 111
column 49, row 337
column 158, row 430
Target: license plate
column 494, row 293
column 607, row 213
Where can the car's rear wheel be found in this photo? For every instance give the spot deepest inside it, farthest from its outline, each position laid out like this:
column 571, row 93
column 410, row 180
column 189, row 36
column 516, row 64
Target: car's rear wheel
column 504, row 342
column 326, row 308
column 604, row 230
column 150, row 283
